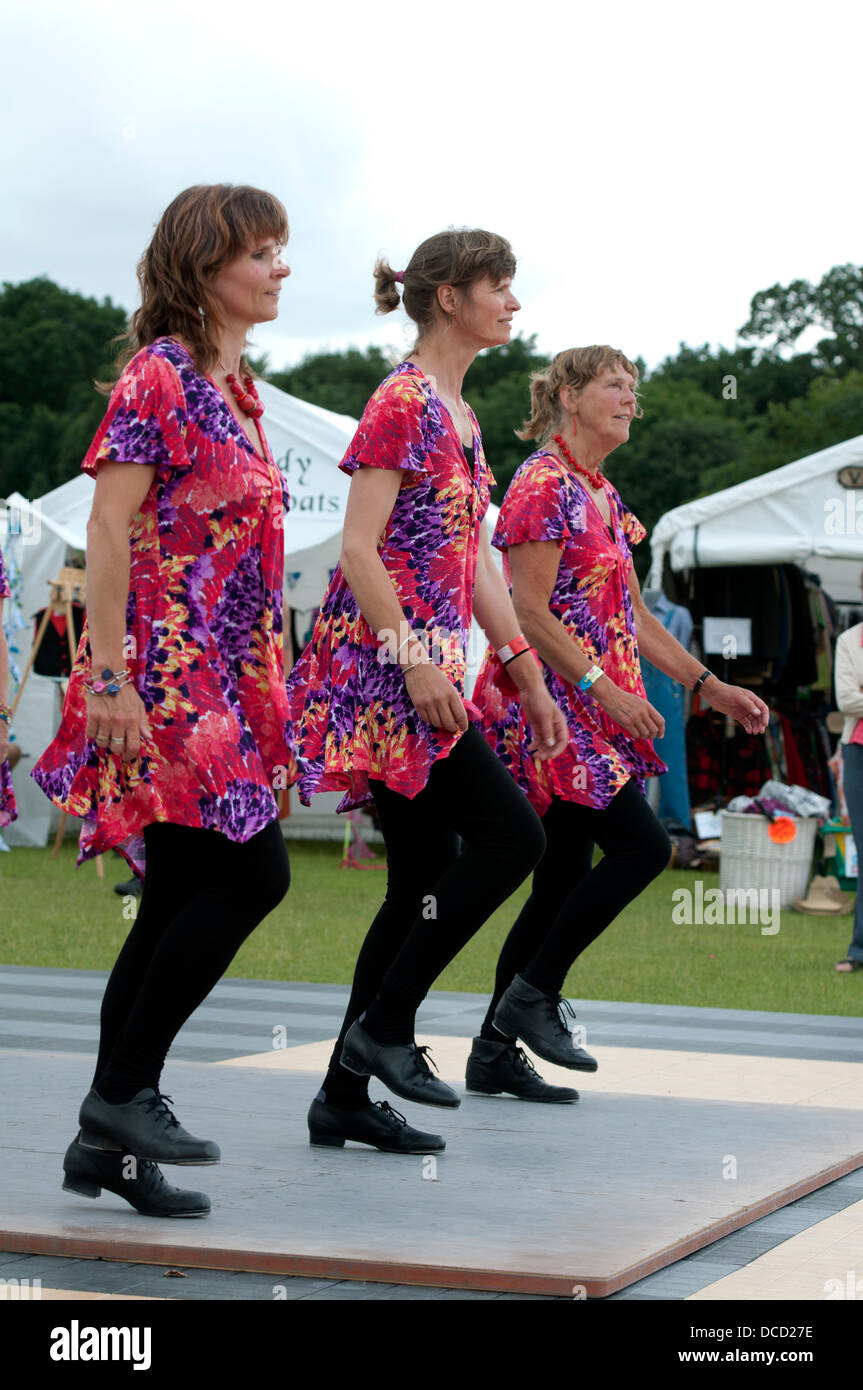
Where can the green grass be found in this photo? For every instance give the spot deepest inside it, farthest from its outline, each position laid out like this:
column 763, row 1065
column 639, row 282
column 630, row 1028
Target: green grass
column 54, row 915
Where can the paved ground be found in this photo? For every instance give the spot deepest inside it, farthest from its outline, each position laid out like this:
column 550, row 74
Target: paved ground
column 57, row 1010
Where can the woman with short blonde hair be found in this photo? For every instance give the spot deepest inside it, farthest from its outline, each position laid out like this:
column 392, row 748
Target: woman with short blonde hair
column 567, row 538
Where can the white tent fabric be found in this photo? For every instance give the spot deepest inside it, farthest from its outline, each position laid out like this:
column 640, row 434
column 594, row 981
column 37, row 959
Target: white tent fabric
column 35, row 538
column 308, row 444
column 799, row 514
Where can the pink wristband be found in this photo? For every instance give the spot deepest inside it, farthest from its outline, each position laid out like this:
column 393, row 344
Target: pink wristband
column 513, row 649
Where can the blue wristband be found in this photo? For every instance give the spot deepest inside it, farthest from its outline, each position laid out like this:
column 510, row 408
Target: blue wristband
column 589, row 678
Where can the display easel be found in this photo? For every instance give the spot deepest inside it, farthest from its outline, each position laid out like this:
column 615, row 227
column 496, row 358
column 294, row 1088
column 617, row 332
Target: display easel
column 69, row 586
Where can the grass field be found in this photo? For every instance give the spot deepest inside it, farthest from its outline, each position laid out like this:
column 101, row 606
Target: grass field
column 52, row 914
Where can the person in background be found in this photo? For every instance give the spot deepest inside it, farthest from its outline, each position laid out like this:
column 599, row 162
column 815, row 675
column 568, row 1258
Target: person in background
column 8, row 805
column 175, row 723
column 848, row 680
column 567, row 538
column 378, row 697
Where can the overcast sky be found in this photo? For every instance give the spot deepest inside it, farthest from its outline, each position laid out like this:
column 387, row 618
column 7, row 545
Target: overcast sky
column 652, row 164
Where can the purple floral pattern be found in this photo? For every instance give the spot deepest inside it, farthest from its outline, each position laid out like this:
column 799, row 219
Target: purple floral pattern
column 546, row 502
column 204, row 623
column 353, row 716
column 8, row 804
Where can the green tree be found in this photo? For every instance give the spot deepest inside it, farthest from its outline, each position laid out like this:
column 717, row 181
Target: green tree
column 497, row 386
column 53, row 345
column 831, row 411
column 338, row 381
column 781, row 313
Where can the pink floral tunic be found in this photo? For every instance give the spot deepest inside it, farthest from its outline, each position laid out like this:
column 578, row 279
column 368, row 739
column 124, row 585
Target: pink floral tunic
column 354, row 718
column 8, row 805
column 546, row 501
column 203, row 618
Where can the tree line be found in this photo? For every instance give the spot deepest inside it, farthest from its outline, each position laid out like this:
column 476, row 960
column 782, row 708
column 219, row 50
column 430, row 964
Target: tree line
column 713, row 416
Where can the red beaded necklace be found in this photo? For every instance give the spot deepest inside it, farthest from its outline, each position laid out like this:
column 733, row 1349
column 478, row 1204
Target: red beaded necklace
column 596, row 480
column 246, row 396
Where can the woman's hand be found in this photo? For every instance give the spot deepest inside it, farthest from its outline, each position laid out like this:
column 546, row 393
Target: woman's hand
column 118, row 722
column 435, row 698
column 636, row 716
column 749, row 711
column 550, row 733
column 4, row 740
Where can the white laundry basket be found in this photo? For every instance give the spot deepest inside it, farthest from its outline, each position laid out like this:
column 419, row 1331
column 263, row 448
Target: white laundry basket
column 750, row 859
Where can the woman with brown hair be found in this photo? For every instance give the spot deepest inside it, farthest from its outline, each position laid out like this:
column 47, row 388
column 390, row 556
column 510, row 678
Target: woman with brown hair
column 176, row 721
column 378, row 695
column 567, row 537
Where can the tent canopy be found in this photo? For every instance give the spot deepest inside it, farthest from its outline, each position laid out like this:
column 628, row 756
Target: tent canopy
column 799, row 514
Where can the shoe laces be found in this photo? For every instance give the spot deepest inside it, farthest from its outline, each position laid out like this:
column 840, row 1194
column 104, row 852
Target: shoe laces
column 522, row 1061
column 387, row 1110
column 423, row 1057
column 159, row 1104
column 147, row 1169
column 557, row 1010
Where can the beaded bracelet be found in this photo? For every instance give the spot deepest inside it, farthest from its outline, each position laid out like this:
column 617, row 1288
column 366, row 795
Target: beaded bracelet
column 5, row 713
column 109, row 683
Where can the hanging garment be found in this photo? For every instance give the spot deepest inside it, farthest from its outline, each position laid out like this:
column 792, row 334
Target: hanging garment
column 667, row 695
column 53, row 657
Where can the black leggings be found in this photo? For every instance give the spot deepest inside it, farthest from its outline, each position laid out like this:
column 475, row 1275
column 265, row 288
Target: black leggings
column 571, row 902
column 203, row 895
column 438, row 894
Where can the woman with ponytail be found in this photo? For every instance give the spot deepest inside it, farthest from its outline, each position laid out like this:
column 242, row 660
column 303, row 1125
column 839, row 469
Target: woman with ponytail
column 378, row 696
column 567, row 537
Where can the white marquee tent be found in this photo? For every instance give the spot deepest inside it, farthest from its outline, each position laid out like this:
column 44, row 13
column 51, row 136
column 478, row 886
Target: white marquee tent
column 308, row 444
column 808, row 513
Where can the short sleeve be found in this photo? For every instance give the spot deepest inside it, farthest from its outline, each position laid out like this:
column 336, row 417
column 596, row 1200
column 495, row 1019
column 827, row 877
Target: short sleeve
column 537, row 507
column 5, row 591
column 629, row 524
column 392, row 431
column 146, row 418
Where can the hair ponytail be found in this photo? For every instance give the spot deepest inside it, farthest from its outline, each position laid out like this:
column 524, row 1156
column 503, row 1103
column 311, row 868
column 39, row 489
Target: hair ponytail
column 387, row 296
column 456, row 257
